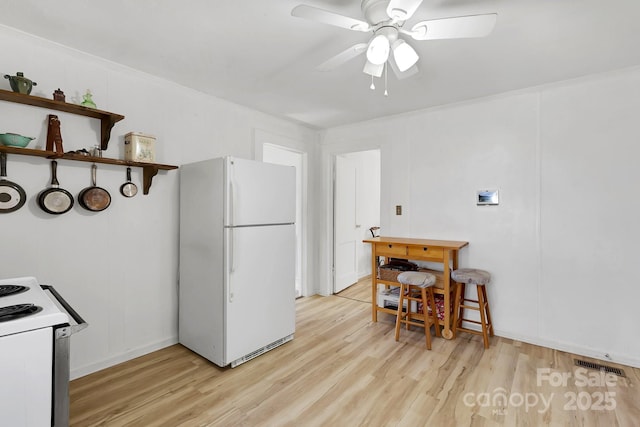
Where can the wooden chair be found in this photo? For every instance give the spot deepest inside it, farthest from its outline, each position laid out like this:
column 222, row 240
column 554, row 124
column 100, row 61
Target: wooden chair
column 416, row 286
column 480, row 278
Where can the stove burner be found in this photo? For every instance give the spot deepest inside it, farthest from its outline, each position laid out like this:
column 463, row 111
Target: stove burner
column 6, row 290
column 13, row 312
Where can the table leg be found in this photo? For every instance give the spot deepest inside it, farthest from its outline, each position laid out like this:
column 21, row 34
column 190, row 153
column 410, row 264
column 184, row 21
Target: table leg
column 446, row 276
column 374, row 285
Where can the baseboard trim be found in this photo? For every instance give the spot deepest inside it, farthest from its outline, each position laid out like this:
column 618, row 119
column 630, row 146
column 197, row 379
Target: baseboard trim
column 622, row 359
column 121, row 357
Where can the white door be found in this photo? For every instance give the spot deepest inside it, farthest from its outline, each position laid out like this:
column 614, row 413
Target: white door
column 260, row 294
column 345, row 228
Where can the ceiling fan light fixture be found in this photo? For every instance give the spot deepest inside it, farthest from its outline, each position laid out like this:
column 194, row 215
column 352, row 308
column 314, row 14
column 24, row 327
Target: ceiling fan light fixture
column 374, row 70
column 378, row 50
column 405, row 55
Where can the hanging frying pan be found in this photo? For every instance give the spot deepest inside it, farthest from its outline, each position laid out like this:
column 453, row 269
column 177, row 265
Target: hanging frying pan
column 128, row 189
column 94, row 198
column 55, row 200
column 12, row 196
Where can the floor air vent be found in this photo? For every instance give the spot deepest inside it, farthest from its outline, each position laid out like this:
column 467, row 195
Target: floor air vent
column 599, row 367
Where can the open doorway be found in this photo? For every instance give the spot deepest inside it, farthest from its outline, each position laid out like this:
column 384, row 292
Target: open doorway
column 272, row 153
column 356, row 208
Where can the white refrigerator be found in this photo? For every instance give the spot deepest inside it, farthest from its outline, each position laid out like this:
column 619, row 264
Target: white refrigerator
column 237, row 258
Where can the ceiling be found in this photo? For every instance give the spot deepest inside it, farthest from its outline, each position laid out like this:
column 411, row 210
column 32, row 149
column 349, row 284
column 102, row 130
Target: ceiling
column 254, row 53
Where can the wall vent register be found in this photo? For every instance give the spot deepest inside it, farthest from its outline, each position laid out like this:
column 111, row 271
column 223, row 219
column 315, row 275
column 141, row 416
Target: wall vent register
column 600, row 367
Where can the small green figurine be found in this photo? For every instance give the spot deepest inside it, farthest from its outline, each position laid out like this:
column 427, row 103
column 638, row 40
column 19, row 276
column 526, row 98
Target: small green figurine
column 87, row 101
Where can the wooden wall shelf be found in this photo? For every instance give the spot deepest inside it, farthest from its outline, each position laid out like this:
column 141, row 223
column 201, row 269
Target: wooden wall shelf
column 107, row 120
column 149, row 170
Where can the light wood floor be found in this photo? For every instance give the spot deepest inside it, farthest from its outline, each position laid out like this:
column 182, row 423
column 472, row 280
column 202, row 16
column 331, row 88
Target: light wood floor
column 343, row 370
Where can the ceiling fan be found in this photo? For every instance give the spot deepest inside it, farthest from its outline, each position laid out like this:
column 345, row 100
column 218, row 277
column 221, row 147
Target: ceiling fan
column 386, row 20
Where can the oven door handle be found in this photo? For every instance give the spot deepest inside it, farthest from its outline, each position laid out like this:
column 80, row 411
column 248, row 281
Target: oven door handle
column 81, row 324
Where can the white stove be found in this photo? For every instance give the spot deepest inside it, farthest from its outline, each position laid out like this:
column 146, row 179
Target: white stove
column 48, row 315
column 35, row 326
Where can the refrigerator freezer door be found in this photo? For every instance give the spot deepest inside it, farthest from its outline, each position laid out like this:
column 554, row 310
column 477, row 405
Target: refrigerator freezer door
column 259, row 193
column 260, row 297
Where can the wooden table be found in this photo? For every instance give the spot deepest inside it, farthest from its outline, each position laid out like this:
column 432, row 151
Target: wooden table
column 439, row 251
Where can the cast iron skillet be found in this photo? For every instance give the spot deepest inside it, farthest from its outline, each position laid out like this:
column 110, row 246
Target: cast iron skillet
column 12, row 196
column 94, row 198
column 55, row 200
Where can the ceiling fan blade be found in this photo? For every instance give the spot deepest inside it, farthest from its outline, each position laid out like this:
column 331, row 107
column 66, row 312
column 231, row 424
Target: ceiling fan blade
column 401, row 10
column 454, row 28
column 331, row 18
column 342, row 57
column 403, row 74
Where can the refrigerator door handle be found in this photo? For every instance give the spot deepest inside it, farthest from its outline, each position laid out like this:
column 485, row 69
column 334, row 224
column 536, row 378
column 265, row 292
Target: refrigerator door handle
column 231, row 212
column 231, row 196
column 231, row 266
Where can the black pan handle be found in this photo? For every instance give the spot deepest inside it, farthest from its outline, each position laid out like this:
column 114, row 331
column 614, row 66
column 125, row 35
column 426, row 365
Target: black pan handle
column 3, row 164
column 128, row 174
column 54, row 174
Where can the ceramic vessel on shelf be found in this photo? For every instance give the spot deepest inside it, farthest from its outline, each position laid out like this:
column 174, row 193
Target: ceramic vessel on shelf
column 87, row 101
column 20, row 84
column 15, row 140
column 58, row 95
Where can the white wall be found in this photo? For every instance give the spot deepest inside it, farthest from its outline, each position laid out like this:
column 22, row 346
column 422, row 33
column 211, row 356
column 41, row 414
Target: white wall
column 118, row 268
column 562, row 244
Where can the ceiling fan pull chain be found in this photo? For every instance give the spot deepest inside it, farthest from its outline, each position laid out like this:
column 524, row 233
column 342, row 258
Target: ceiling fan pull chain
column 386, row 93
column 372, row 87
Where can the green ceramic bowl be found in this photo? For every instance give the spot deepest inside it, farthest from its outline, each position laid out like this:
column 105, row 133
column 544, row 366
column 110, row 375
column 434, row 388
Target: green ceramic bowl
column 14, row 140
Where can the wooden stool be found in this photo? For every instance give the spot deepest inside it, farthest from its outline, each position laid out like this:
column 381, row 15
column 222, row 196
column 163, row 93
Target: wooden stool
column 418, row 287
column 472, row 276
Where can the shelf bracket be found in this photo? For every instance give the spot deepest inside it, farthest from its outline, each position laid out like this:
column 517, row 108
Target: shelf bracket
column 106, row 124
column 148, row 172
